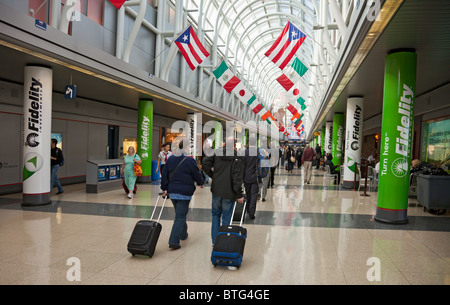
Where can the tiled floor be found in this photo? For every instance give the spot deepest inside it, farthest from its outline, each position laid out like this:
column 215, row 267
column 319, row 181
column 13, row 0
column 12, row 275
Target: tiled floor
column 302, row 234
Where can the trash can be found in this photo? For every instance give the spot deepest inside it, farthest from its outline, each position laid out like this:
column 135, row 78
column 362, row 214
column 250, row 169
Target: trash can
column 432, row 192
column 155, row 176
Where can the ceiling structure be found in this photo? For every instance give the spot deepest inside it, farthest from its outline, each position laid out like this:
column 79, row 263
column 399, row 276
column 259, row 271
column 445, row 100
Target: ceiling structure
column 241, row 31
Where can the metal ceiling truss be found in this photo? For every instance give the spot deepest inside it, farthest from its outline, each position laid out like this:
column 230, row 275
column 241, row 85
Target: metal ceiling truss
column 329, row 18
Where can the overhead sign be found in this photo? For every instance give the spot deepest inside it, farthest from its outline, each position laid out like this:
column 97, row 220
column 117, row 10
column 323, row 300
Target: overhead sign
column 40, row 24
column 70, row 92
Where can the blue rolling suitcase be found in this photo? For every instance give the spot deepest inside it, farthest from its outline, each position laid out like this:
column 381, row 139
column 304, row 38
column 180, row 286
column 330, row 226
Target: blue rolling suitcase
column 230, row 243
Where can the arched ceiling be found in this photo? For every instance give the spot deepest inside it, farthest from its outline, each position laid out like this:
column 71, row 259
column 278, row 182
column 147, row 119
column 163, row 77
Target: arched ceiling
column 242, row 31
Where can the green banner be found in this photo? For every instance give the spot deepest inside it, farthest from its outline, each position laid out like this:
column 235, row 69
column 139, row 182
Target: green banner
column 396, row 136
column 337, row 147
column 144, row 133
column 322, row 140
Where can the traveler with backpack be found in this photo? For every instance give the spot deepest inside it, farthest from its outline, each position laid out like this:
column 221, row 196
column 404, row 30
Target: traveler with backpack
column 225, row 168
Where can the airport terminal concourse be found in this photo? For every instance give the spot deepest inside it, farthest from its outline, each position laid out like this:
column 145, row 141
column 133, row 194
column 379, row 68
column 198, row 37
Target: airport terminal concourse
column 228, row 149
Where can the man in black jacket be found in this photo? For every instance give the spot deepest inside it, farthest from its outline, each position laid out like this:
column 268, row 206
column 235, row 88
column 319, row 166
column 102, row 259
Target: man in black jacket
column 251, row 177
column 56, row 158
column 225, row 168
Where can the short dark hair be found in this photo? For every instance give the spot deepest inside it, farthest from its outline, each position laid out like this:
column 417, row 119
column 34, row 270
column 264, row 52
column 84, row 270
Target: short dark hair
column 165, row 144
column 54, row 141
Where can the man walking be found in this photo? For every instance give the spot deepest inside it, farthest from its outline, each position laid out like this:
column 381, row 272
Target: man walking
column 307, row 158
column 56, row 159
column 251, row 176
column 225, row 168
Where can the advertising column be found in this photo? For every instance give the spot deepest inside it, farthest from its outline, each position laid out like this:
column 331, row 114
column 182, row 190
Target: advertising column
column 195, row 134
column 322, row 139
column 145, row 133
column 37, row 111
column 353, row 132
column 337, row 147
column 328, row 136
column 396, row 136
column 217, row 135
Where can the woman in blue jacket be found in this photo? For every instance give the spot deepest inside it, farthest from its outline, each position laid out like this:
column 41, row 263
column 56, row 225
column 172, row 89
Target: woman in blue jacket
column 177, row 180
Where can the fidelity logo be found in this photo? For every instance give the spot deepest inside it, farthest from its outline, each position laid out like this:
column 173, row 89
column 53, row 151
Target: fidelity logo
column 34, row 113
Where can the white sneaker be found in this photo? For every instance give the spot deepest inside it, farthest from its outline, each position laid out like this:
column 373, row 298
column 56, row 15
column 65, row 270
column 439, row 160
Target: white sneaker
column 232, row 268
column 130, row 196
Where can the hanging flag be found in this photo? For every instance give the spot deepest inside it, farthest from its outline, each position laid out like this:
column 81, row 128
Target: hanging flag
column 191, row 48
column 293, row 93
column 226, row 77
column 243, row 93
column 299, row 67
column 117, row 3
column 286, row 45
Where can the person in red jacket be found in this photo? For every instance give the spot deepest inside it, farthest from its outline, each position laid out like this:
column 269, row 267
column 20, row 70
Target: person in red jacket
column 307, row 158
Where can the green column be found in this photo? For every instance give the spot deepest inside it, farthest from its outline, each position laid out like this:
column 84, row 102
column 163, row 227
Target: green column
column 337, row 148
column 144, row 133
column 322, row 139
column 396, row 136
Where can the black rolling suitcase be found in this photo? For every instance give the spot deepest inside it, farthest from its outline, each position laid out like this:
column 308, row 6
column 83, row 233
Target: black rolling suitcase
column 145, row 235
column 230, row 243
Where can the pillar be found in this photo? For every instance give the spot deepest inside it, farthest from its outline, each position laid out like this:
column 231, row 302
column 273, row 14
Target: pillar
column 195, row 133
column 328, row 136
column 337, row 147
column 37, row 121
column 396, row 136
column 145, row 137
column 353, row 133
column 322, row 139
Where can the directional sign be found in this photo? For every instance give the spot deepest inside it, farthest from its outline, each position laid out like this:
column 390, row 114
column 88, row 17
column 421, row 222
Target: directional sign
column 70, row 92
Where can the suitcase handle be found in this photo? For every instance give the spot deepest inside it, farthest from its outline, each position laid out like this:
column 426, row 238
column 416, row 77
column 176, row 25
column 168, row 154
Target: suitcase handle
column 243, row 213
column 154, row 209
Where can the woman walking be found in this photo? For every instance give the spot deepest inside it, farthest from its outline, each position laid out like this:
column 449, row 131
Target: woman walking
column 128, row 170
column 178, row 177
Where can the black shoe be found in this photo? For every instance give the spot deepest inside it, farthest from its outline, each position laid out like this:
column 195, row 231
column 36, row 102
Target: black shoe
column 174, row 247
column 187, row 235
column 264, row 199
column 252, row 217
column 59, row 192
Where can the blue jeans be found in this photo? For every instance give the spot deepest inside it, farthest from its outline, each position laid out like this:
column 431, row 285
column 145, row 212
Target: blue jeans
column 54, row 178
column 220, row 207
column 179, row 228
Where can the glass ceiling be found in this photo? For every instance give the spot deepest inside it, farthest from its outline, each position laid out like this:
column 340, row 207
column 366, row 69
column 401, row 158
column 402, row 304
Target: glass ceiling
column 245, row 30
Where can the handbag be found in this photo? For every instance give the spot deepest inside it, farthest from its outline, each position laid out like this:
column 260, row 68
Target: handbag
column 137, row 169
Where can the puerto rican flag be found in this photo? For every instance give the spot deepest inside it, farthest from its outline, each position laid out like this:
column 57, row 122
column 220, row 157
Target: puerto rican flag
column 286, row 45
column 191, row 48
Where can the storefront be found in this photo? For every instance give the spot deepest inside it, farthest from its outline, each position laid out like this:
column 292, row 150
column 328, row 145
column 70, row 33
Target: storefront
column 435, row 142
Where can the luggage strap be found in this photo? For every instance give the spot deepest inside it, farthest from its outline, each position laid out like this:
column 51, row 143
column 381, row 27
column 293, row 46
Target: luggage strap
column 154, row 209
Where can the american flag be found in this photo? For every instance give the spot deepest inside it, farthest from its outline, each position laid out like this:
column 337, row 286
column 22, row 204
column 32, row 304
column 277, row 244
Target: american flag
column 191, row 48
column 286, row 45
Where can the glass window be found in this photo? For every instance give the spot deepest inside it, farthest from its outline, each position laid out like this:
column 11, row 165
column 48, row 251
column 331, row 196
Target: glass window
column 436, row 142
